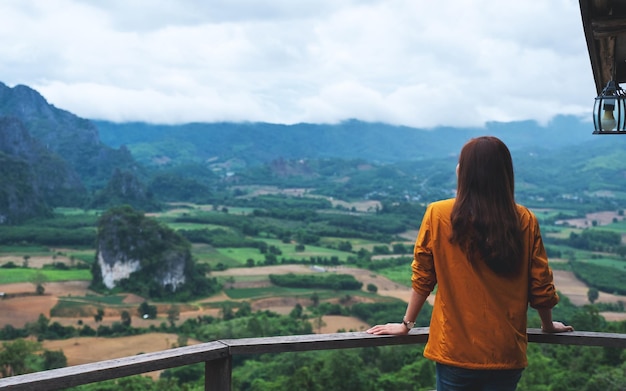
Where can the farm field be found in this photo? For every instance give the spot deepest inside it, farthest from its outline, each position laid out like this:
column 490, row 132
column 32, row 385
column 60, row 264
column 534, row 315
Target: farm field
column 73, row 303
column 18, row 311
column 101, row 349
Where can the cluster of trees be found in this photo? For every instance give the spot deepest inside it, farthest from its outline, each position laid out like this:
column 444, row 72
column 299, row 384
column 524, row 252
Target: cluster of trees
column 326, row 281
column 22, row 356
column 308, row 227
column 605, row 278
column 595, row 240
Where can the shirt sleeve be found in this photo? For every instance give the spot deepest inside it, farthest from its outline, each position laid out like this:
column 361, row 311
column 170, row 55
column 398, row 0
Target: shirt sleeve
column 542, row 292
column 424, row 277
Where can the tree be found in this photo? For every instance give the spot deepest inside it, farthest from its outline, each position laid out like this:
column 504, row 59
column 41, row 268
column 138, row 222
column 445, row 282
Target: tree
column 126, row 319
column 14, row 357
column 399, row 248
column 372, row 288
column 26, row 258
column 315, row 299
column 53, row 360
column 39, row 279
column 147, row 311
column 592, row 295
column 297, row 311
column 99, row 315
column 227, row 311
column 344, row 246
column 318, row 322
column 173, row 314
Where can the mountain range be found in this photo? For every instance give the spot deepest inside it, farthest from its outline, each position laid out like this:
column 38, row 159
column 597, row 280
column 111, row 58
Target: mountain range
column 254, row 143
column 50, row 157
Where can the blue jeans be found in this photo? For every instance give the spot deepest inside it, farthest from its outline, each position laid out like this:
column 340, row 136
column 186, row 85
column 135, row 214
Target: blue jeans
column 451, row 378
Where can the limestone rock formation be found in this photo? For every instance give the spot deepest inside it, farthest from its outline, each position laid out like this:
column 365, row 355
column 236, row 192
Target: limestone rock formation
column 139, row 254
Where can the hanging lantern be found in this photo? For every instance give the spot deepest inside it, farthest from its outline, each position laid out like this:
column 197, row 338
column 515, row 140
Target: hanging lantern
column 609, row 110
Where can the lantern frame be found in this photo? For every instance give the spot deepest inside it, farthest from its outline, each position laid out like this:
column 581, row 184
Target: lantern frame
column 609, row 110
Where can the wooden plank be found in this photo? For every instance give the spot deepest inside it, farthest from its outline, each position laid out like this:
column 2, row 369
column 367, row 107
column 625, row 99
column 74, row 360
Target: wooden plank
column 218, row 374
column 112, row 369
column 298, row 343
column 218, row 355
column 583, row 338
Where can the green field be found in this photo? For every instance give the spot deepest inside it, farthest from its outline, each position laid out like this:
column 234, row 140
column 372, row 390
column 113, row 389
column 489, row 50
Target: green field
column 607, row 262
column 18, row 250
column 195, row 226
column 91, row 299
column 270, row 291
column 77, row 211
column 559, row 232
column 399, row 274
column 10, row 276
column 304, row 293
column 240, row 255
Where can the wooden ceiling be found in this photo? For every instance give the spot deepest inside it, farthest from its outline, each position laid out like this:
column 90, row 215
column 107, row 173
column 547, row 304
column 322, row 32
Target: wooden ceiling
column 604, row 24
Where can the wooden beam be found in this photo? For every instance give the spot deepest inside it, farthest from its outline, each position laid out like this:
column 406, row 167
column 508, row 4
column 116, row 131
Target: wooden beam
column 606, row 51
column 217, row 356
column 56, row 379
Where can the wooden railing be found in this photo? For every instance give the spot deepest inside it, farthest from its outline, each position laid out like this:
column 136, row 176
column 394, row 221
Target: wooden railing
column 217, row 356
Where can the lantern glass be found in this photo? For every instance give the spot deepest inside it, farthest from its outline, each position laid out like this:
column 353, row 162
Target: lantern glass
column 609, row 111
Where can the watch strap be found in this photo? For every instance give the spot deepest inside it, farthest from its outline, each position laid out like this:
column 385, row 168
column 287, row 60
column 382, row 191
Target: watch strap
column 409, row 325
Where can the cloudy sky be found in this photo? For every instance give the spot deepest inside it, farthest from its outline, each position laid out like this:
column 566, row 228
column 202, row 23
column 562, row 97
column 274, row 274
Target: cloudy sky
column 419, row 63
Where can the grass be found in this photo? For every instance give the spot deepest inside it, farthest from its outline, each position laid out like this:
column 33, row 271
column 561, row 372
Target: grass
column 289, row 251
column 251, row 278
column 616, row 263
column 86, row 256
column 91, row 299
column 559, row 232
column 400, row 274
column 205, row 253
column 241, row 254
column 618, row 226
column 195, row 226
column 561, row 266
column 77, row 212
column 17, row 275
column 18, row 250
column 273, row 291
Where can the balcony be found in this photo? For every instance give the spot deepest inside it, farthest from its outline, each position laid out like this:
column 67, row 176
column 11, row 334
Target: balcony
column 217, row 356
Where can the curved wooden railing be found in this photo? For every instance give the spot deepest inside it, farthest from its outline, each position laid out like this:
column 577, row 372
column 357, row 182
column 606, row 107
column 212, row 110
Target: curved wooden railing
column 217, row 356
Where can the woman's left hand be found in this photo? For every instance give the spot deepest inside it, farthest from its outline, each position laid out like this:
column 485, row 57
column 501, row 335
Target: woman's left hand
column 389, row 328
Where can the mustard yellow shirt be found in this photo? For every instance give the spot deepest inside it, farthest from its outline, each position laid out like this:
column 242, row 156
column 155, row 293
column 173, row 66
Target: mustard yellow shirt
column 479, row 318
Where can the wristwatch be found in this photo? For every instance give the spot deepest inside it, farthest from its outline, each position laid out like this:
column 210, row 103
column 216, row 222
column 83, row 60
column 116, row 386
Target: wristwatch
column 407, row 324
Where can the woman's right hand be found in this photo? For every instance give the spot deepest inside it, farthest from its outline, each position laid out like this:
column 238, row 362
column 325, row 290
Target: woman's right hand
column 388, row 329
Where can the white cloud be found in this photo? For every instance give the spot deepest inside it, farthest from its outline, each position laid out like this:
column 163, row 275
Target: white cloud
column 411, row 62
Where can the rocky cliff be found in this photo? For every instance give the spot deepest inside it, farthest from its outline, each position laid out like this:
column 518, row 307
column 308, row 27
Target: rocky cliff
column 74, row 139
column 32, row 178
column 50, row 157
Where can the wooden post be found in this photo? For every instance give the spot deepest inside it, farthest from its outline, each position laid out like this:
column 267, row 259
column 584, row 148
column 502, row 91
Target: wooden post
column 218, row 374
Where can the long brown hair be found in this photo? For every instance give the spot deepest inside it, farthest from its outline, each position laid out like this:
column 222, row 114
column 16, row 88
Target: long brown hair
column 485, row 222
